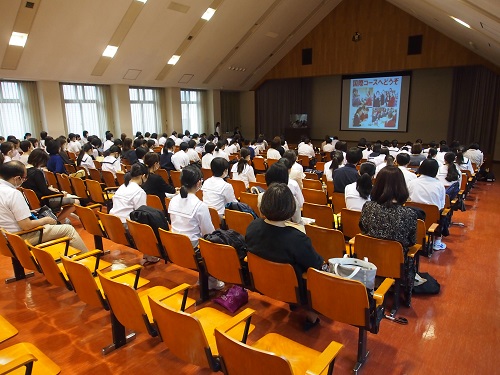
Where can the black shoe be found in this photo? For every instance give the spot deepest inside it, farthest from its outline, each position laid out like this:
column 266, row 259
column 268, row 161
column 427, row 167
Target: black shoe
column 308, row 324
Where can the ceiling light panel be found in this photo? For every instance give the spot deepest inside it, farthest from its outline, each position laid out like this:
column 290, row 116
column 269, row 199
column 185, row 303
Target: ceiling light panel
column 460, row 22
column 110, row 51
column 173, row 60
column 18, row 39
column 208, row 14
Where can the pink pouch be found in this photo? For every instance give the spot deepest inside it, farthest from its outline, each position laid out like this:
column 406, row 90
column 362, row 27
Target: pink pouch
column 234, row 298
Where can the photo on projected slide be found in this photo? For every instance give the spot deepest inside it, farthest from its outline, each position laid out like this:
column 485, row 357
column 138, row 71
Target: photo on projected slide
column 377, row 103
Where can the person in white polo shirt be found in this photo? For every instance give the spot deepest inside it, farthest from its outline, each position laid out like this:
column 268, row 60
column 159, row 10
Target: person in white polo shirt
column 216, row 191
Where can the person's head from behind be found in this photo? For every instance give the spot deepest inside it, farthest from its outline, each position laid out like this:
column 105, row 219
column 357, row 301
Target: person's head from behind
column 474, row 146
column 209, row 148
column 286, row 162
column 243, row 160
column 278, row 203
column 416, row 149
column 403, row 159
column 192, row 144
column 138, row 173
column 184, row 146
column 26, row 146
column 431, row 154
column 429, row 167
column 53, row 147
column 342, row 146
column 449, row 158
column 169, row 145
column 278, row 172
column 364, row 184
column 140, row 152
column 14, row 172
column 219, row 167
column 114, row 151
column 138, row 142
column 191, row 180
column 291, row 156
column 34, row 142
column 354, row 155
column 276, row 142
column 38, row 158
column 127, row 144
column 390, row 188
column 152, row 161
column 109, row 136
column 43, row 135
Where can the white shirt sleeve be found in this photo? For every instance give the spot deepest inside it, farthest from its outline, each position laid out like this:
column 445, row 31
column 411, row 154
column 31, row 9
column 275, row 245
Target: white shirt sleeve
column 203, row 216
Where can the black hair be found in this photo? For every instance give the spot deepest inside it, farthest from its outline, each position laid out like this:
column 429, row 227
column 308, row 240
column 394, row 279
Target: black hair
column 13, row 169
column 85, row 148
column 169, row 144
column 151, row 158
column 85, row 133
column 38, row 158
column 286, row 162
column 137, row 142
column 364, row 184
column 354, row 155
column 244, row 152
column 109, row 136
column 337, row 159
column 151, row 143
column 220, row 144
column 114, row 149
column 118, row 142
column 416, row 149
column 460, row 155
column 429, row 167
column 138, row 169
column 389, row 187
column 53, row 146
column 189, row 178
column 140, row 152
column 453, row 173
column 218, row 166
column 25, row 145
column 127, row 144
column 277, row 172
column 403, row 158
column 342, row 146
column 209, row 148
column 33, row 141
column 192, row 143
column 147, row 134
column 43, row 134
column 184, row 146
column 291, row 156
column 431, row 153
column 278, row 203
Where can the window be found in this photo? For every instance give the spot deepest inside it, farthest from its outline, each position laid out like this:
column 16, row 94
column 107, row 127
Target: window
column 87, row 107
column 146, row 110
column 19, row 111
column 193, row 113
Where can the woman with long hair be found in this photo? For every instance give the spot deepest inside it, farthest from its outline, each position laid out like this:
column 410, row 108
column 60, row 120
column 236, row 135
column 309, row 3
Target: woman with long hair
column 242, row 170
column 449, row 175
column 156, row 185
column 85, row 157
column 358, row 193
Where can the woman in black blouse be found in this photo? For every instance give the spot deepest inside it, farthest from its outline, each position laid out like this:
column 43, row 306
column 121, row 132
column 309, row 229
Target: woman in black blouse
column 35, row 181
column 155, row 184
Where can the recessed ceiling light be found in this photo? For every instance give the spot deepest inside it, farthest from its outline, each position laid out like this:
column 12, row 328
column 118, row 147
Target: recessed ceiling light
column 110, row 51
column 142, row 1
column 173, row 60
column 18, row 39
column 208, row 14
column 461, row 22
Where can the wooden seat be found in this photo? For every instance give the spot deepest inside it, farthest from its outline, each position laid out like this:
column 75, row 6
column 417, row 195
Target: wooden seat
column 252, row 200
column 95, row 174
column 64, row 183
column 388, row 257
column 190, row 337
column 259, row 164
column 163, row 174
column 91, row 223
column 115, row 230
column 51, row 179
column 262, row 185
column 338, row 202
column 79, row 188
column 320, row 166
column 222, row 262
column 270, row 162
column 180, row 251
column 72, row 155
column 55, row 273
column 350, row 222
column 175, row 176
column 238, row 187
column 88, row 287
column 99, row 195
column 347, row 301
column 329, row 189
column 109, row 179
column 120, row 178
column 26, row 358
column 311, row 176
column 322, row 214
column 130, row 309
column 214, row 216
column 260, row 178
column 97, row 164
column 329, row 243
column 238, row 220
column 207, row 173
column 7, row 330
column 33, row 201
column 312, row 184
column 154, row 201
column 314, row 196
column 273, row 354
column 275, row 280
column 6, row 250
column 70, row 168
column 145, row 239
column 303, row 160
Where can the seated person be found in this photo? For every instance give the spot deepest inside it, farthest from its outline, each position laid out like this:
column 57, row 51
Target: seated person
column 216, row 191
column 242, row 170
column 358, row 193
column 111, row 162
column 348, row 174
column 85, row 158
column 155, row 184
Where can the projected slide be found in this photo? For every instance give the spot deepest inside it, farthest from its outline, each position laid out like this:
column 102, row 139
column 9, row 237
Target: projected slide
column 375, row 103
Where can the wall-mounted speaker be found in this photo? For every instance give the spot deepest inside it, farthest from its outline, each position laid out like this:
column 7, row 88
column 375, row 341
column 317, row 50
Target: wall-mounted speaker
column 415, row 44
column 307, row 56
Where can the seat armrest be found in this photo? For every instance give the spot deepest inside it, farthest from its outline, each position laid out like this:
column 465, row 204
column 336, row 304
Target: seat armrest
column 235, row 320
column 93, row 206
column 433, row 228
column 54, row 242
column 57, row 195
column 110, row 188
column 40, row 228
column 379, row 294
column 181, row 288
column 118, row 273
column 445, row 212
column 413, row 250
column 324, row 359
column 86, row 255
column 17, row 363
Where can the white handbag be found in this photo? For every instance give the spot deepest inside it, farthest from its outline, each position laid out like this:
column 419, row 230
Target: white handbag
column 354, row 269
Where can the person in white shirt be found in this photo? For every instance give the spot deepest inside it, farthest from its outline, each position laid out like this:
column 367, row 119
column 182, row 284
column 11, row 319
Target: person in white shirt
column 306, row 149
column 15, row 214
column 26, row 147
column 443, row 149
column 108, row 142
column 233, row 147
column 216, row 191
column 85, row 157
column 163, row 139
column 112, row 162
column 173, row 136
column 393, row 148
column 241, row 170
column 84, row 137
column 474, row 154
column 297, row 171
column 292, row 184
column 358, row 193
column 429, row 190
column 73, row 146
column 200, row 147
column 336, row 162
column 206, row 160
column 191, row 152
column 181, row 159
column 187, row 136
column 403, row 160
column 273, row 153
column 219, row 150
column 7, row 149
column 189, row 215
column 463, row 163
column 328, row 147
column 449, row 174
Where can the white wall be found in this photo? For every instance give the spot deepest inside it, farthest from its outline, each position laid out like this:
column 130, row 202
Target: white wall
column 51, row 108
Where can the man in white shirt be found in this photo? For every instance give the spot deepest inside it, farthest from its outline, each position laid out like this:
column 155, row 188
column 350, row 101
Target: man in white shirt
column 206, row 160
column 109, row 141
column 474, row 154
column 187, row 136
column 15, row 215
column 306, row 149
column 163, row 139
column 216, row 191
column 403, row 160
column 180, row 159
column 328, row 147
column 191, row 152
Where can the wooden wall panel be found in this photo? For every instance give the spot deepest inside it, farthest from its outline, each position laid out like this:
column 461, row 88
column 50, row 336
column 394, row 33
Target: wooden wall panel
column 384, row 31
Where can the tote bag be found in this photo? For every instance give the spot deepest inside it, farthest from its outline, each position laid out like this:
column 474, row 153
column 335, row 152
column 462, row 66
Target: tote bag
column 354, row 269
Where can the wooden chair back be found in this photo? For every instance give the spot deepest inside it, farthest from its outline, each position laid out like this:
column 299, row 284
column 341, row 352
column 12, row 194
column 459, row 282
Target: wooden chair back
column 221, row 261
column 91, row 224
column 109, row 179
column 95, row 174
column 120, row 178
column 214, row 216
column 199, row 194
column 259, row 164
column 64, row 183
column 329, row 188
column 23, row 254
column 238, row 187
column 96, row 193
column 338, row 202
column 322, row 214
column 238, row 220
column 329, row 243
column 207, row 173
column 72, row 155
column 270, row 162
column 79, row 187
column 311, row 176
column 385, row 254
column 31, row 198
column 350, row 222
column 312, row 184
column 263, row 185
column 126, row 167
column 303, row 160
column 84, row 283
column 179, row 249
column 175, row 176
column 275, row 280
column 114, row 229
column 51, row 179
column 261, row 177
column 320, row 166
column 340, row 299
column 54, row 274
column 432, row 214
column 163, row 174
column 314, row 196
column 5, row 248
column 70, row 168
column 154, row 201
column 81, row 168
column 144, row 238
column 251, row 200
column 98, row 164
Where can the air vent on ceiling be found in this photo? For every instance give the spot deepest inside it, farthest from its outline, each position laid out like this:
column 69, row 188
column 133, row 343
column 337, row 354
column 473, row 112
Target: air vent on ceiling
column 178, row 7
column 132, row 74
column 186, row 78
column 30, row 5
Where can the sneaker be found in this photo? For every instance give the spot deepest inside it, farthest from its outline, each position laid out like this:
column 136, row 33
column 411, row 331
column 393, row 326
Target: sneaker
column 214, row 284
column 439, row 246
column 308, row 324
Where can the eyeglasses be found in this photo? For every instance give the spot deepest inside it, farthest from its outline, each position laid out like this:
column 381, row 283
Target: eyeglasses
column 23, row 178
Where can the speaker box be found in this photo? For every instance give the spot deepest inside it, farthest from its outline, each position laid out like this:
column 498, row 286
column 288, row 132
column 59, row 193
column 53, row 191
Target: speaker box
column 415, row 44
column 307, row 56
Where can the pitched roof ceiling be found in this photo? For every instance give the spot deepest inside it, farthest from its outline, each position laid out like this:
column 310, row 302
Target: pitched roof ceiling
column 232, row 51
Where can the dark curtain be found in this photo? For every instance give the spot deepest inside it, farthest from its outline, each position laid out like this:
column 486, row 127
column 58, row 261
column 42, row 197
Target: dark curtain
column 276, row 100
column 475, row 101
column 230, row 110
